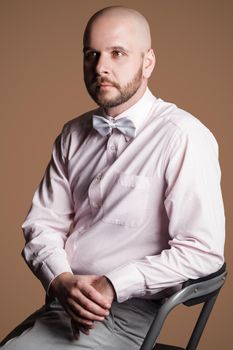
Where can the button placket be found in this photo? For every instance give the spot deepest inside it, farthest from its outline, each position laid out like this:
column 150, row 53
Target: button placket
column 99, row 177
column 111, row 149
column 95, row 193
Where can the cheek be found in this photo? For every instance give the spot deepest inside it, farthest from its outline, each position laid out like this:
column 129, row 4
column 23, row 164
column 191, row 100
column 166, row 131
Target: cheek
column 87, row 72
column 125, row 71
column 128, row 72
column 88, row 66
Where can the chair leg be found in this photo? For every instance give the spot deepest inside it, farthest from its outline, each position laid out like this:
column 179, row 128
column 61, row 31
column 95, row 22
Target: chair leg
column 201, row 323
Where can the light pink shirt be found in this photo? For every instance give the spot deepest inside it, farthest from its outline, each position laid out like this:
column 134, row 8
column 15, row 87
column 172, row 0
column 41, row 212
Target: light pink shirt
column 146, row 212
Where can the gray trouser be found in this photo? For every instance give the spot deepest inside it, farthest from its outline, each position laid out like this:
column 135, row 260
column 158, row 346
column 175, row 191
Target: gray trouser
column 49, row 328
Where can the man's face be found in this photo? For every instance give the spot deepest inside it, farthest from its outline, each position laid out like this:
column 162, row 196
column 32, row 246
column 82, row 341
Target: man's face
column 112, row 62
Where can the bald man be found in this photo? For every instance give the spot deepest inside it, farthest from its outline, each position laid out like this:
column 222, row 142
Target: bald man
column 138, row 181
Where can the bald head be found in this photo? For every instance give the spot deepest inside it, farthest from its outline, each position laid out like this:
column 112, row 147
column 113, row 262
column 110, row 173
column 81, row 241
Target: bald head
column 118, row 59
column 134, row 22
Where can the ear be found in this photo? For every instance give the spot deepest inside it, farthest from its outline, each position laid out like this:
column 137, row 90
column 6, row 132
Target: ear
column 148, row 63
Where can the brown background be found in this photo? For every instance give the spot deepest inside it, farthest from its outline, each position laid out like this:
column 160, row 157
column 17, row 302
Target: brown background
column 42, row 87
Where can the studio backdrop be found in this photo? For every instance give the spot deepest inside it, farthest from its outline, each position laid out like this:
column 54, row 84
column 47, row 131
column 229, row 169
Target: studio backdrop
column 41, row 87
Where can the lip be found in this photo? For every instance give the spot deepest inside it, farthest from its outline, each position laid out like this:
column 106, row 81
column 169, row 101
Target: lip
column 105, row 85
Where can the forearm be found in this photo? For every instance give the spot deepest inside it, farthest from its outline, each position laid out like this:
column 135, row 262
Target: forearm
column 154, row 274
column 47, row 224
column 46, row 257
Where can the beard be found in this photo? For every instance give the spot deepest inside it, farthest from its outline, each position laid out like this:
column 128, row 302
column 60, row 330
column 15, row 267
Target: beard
column 124, row 93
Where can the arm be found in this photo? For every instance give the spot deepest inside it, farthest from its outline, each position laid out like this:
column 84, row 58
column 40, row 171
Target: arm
column 48, row 222
column 85, row 298
column 194, row 207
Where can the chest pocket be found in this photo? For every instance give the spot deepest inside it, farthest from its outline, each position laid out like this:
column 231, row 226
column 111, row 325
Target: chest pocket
column 125, row 203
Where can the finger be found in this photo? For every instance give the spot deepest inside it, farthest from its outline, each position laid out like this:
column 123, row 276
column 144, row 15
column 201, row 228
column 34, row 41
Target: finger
column 82, row 314
column 84, row 330
column 81, row 327
column 78, row 327
column 74, row 316
column 80, row 320
column 80, row 301
column 92, row 294
column 75, row 330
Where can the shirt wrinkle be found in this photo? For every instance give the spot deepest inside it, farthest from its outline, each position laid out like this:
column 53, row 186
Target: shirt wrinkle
column 127, row 202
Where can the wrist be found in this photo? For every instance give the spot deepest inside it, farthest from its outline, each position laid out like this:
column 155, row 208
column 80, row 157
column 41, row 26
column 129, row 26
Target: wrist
column 110, row 286
column 58, row 283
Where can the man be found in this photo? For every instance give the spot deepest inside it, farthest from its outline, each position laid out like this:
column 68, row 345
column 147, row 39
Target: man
column 130, row 205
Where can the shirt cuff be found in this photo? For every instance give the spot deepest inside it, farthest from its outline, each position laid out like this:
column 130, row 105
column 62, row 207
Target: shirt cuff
column 48, row 272
column 127, row 281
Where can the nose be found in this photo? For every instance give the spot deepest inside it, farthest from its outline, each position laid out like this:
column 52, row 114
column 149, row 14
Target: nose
column 102, row 65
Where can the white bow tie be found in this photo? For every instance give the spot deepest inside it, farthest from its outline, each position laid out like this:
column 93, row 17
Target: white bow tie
column 105, row 126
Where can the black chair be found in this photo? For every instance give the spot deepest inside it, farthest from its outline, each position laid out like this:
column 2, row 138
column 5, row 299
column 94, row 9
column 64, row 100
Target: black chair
column 202, row 290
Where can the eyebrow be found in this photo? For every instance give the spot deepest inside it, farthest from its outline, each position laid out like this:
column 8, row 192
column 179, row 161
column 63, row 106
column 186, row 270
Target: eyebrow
column 120, row 48
column 111, row 48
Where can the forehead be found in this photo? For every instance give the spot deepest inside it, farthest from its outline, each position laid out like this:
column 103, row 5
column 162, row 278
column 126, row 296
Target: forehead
column 109, row 32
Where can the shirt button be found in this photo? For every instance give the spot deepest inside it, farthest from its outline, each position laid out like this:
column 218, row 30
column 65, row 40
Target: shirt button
column 99, row 177
column 112, row 148
column 96, row 205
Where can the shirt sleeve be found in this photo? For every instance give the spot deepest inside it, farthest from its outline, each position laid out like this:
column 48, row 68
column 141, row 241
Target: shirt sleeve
column 194, row 206
column 48, row 222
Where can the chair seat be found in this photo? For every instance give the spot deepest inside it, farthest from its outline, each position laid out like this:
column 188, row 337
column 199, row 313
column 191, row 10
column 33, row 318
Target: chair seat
column 166, row 347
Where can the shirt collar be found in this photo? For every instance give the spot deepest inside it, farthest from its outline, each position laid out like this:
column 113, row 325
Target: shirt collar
column 138, row 112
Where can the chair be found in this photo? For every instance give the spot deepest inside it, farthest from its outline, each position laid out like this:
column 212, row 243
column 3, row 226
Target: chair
column 202, row 290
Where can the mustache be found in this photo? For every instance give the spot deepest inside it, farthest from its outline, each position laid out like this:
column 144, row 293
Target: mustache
column 101, row 80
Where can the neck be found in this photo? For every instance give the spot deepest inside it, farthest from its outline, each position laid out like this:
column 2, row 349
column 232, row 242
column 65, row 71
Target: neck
column 115, row 111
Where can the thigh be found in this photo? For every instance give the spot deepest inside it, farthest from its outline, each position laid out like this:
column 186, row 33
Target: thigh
column 46, row 328
column 123, row 329
column 131, row 322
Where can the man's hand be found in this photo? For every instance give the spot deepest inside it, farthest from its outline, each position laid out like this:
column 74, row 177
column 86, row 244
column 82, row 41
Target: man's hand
column 105, row 287
column 86, row 298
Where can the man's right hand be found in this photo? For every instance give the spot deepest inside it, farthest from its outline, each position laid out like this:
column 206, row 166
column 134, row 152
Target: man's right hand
column 83, row 303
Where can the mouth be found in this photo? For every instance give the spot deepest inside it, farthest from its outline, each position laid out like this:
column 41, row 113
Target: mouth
column 100, row 81
column 105, row 85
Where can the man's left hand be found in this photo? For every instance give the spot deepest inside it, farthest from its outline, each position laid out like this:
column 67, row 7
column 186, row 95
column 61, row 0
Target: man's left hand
column 103, row 286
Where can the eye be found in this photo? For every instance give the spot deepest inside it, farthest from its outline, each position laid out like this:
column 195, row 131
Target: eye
column 90, row 55
column 117, row 53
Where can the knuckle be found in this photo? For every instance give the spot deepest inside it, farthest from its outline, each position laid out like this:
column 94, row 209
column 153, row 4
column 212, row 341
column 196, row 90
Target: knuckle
column 77, row 320
column 72, row 292
column 89, row 294
column 83, row 322
column 79, row 284
column 86, row 304
column 82, row 312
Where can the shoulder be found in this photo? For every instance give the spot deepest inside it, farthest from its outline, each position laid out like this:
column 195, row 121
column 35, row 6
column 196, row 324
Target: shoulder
column 78, row 127
column 178, row 123
column 79, row 124
column 75, row 131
